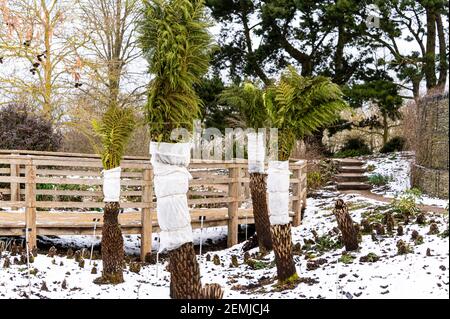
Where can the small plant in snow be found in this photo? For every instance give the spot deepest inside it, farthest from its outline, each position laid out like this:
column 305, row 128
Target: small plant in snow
column 369, row 258
column 403, row 248
column 326, row 243
column 379, row 179
column 346, row 258
column 407, row 203
column 418, row 240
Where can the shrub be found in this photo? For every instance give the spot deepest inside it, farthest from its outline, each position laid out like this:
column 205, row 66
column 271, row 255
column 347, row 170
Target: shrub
column 22, row 130
column 396, row 144
column 315, row 180
column 353, row 147
column 379, row 180
column 407, row 203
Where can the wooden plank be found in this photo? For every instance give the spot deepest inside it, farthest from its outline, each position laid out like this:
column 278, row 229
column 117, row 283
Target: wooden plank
column 210, row 200
column 84, row 181
column 47, row 204
column 297, row 203
column 15, row 187
column 207, row 193
column 5, row 191
column 92, row 164
column 87, row 173
column 146, row 215
column 218, row 180
column 9, row 179
column 12, row 204
column 83, row 193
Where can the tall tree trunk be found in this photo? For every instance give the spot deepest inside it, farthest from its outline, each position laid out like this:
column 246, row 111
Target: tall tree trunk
column 443, row 63
column 112, row 246
column 251, row 58
column 430, row 63
column 339, row 56
column 258, row 188
column 48, row 67
column 345, row 225
column 282, row 246
column 185, row 276
column 416, row 88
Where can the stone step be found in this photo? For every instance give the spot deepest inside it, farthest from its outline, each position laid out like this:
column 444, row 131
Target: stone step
column 349, row 162
column 351, row 169
column 351, row 177
column 353, row 186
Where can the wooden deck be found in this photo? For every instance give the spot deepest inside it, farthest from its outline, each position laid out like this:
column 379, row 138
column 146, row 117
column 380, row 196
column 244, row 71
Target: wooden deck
column 60, row 193
column 68, row 223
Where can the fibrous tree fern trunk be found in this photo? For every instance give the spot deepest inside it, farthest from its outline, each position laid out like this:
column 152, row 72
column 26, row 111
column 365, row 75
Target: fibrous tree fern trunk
column 346, row 226
column 278, row 192
column 258, row 188
column 185, row 280
column 175, row 39
column 284, row 258
column 184, row 273
column 112, row 246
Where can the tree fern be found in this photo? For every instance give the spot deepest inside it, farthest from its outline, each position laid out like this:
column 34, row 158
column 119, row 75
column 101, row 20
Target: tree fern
column 177, row 45
column 114, row 130
column 249, row 100
column 299, row 106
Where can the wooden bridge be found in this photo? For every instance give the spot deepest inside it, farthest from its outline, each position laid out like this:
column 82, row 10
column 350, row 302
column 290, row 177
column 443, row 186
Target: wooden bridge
column 52, row 193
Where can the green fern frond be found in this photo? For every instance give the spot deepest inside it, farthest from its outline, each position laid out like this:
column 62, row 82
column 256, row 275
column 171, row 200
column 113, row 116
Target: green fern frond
column 114, row 129
column 176, row 42
column 299, row 106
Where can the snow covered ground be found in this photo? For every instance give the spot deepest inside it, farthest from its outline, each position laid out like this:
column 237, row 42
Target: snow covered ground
column 320, row 263
column 397, row 166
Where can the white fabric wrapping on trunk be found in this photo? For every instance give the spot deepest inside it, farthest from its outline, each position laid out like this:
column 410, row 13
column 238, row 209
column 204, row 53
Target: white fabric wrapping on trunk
column 111, row 184
column 171, row 181
column 278, row 192
column 256, row 152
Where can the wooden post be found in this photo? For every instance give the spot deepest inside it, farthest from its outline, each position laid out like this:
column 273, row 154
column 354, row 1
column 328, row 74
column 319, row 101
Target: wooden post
column 15, row 187
column 30, row 202
column 246, row 185
column 297, row 203
column 233, row 207
column 146, row 215
column 304, row 185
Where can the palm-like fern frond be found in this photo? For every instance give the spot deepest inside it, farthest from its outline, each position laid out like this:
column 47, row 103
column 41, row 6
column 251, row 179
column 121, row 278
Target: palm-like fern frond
column 176, row 42
column 298, row 106
column 114, row 130
column 249, row 100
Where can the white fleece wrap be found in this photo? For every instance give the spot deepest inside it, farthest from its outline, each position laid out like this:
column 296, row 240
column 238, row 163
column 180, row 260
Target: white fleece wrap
column 111, row 185
column 171, row 180
column 256, row 152
column 278, row 192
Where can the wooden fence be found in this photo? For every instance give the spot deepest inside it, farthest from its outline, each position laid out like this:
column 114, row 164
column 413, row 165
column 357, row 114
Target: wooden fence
column 60, row 194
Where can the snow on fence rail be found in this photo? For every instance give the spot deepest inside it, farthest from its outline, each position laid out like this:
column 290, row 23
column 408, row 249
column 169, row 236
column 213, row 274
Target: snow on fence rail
column 60, row 194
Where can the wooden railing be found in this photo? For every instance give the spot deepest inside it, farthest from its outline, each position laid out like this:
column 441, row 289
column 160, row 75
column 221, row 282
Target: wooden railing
column 60, row 194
